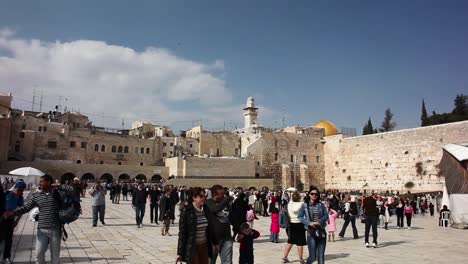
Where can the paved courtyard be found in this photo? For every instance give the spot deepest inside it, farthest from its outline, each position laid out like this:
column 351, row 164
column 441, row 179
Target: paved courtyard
column 121, row 242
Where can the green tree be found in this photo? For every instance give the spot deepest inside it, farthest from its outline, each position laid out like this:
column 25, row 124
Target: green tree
column 424, row 117
column 461, row 107
column 368, row 128
column 387, row 123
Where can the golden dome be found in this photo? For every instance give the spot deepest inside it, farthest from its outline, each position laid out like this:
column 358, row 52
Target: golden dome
column 330, row 128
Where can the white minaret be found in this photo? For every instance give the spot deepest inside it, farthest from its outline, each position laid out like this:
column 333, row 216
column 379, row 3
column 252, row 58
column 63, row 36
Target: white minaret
column 250, row 113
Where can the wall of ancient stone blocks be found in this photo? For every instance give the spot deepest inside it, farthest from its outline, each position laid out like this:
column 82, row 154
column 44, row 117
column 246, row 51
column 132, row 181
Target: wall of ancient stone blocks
column 389, row 161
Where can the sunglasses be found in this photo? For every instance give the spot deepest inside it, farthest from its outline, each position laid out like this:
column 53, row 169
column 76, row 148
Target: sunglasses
column 313, row 193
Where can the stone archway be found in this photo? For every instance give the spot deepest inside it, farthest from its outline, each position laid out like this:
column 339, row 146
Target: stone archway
column 67, row 178
column 88, row 177
column 141, row 177
column 107, row 177
column 156, row 178
column 124, row 177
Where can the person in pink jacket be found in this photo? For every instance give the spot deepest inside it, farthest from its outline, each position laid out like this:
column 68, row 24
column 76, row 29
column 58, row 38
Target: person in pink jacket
column 409, row 213
column 274, row 226
column 331, row 224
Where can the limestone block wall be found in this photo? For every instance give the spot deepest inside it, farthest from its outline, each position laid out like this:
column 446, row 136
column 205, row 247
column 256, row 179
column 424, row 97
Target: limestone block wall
column 5, row 125
column 219, row 144
column 294, row 150
column 230, row 183
column 195, row 166
column 387, row 161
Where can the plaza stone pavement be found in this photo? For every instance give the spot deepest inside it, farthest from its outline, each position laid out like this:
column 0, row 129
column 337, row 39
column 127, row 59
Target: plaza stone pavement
column 120, row 241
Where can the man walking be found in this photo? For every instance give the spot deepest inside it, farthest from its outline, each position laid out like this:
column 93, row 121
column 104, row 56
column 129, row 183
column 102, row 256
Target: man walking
column 118, row 190
column 371, row 212
column 174, row 201
column 154, row 195
column 14, row 199
column 219, row 209
column 49, row 230
column 350, row 215
column 98, row 194
column 139, row 203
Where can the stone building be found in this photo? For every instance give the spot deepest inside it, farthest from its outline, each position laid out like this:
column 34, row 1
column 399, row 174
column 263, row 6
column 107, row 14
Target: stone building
column 68, row 145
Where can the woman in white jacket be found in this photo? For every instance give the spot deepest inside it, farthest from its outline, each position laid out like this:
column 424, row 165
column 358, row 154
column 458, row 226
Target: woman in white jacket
column 295, row 231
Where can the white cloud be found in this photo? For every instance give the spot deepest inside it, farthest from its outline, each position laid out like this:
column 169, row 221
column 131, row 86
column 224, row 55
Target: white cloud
column 98, row 78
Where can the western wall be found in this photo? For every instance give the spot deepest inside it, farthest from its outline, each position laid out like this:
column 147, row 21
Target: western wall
column 404, row 160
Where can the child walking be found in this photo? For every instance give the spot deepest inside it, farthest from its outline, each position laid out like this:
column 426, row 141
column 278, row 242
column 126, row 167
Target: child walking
column 331, row 224
column 274, row 226
column 166, row 223
column 246, row 238
column 251, row 216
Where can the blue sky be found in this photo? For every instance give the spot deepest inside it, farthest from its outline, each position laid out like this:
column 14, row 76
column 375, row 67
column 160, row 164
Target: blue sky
column 308, row 60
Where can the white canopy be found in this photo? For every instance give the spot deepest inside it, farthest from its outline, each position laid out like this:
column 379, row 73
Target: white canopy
column 28, row 174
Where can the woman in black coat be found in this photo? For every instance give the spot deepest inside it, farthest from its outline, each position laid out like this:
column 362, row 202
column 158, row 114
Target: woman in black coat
column 195, row 238
column 240, row 207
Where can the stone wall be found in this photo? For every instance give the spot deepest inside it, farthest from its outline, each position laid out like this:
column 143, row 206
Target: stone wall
column 289, row 158
column 219, row 144
column 219, row 167
column 388, row 161
column 5, row 125
column 230, row 183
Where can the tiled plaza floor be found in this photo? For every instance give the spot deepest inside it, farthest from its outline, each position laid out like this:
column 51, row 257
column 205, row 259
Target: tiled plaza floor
column 121, row 242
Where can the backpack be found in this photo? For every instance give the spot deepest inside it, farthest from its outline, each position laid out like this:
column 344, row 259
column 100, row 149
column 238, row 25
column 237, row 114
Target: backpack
column 353, row 208
column 69, row 208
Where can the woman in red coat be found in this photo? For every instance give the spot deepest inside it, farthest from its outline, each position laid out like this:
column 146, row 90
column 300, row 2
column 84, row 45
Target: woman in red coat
column 274, row 226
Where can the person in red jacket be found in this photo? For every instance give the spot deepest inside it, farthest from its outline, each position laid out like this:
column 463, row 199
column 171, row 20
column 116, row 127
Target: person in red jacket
column 274, row 226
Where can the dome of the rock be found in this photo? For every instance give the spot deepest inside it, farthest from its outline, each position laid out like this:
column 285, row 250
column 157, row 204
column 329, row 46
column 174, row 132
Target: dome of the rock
column 330, row 128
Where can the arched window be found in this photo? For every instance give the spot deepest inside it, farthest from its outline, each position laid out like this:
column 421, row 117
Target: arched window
column 103, row 148
column 147, row 150
column 78, row 162
column 141, row 163
column 114, row 149
column 126, row 149
column 119, row 163
column 120, row 149
column 96, row 147
column 142, row 150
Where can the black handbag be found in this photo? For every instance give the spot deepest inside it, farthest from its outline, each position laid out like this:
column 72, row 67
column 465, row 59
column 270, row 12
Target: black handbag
column 316, row 232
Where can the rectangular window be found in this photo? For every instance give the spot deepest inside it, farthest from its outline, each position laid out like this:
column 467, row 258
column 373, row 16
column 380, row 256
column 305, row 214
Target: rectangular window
column 83, row 145
column 52, row 144
column 40, row 129
column 191, row 145
column 316, row 146
column 72, row 144
column 318, row 159
column 276, row 156
column 304, row 158
column 164, row 144
column 170, row 152
column 44, row 129
column 172, row 144
column 297, row 143
column 164, row 154
column 292, row 158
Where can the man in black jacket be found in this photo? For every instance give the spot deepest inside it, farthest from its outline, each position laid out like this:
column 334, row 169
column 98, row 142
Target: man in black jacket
column 371, row 212
column 154, row 200
column 139, row 203
column 174, row 201
column 219, row 209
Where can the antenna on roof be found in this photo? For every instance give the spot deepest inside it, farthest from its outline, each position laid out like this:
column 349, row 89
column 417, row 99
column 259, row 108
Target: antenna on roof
column 283, row 118
column 34, row 99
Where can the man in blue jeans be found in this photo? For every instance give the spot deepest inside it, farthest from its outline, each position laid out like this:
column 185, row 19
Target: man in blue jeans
column 371, row 212
column 98, row 202
column 14, row 199
column 219, row 208
column 49, row 228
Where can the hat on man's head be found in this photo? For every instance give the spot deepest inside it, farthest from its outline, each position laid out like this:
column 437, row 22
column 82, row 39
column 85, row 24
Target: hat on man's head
column 20, row 185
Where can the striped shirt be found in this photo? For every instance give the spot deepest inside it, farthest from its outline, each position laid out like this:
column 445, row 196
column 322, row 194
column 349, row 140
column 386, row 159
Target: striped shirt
column 202, row 225
column 48, row 207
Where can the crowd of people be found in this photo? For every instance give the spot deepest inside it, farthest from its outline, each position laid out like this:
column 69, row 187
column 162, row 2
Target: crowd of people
column 213, row 219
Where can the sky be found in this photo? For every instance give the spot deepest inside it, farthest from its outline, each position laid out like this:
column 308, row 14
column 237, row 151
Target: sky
column 178, row 62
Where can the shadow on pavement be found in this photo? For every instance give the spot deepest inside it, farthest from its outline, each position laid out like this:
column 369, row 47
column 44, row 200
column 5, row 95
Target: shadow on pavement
column 391, row 243
column 335, row 256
